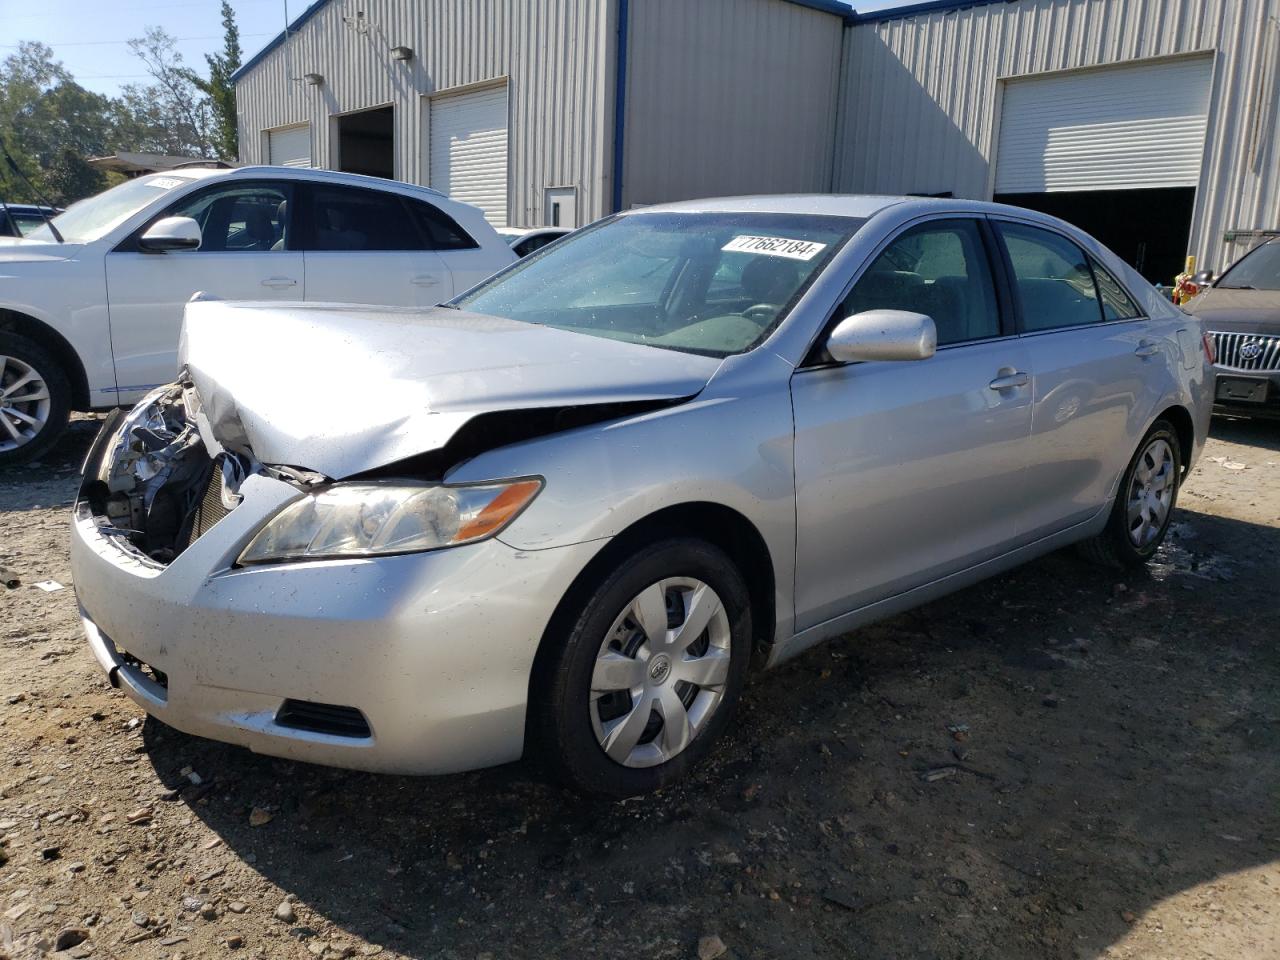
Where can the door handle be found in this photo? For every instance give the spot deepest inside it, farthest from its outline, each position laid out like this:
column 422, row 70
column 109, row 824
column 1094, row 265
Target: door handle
column 1147, row 349
column 279, row 283
column 425, row 280
column 1010, row 381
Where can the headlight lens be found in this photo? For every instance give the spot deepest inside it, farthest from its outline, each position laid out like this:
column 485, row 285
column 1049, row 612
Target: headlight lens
column 374, row 519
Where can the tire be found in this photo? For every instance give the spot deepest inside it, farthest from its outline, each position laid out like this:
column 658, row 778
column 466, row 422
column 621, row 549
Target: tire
column 46, row 398
column 571, row 728
column 1131, row 543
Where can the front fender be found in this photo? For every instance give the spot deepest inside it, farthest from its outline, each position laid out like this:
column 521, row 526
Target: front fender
column 733, row 450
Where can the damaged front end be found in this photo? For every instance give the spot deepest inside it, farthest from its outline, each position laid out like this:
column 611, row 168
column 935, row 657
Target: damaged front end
column 151, row 479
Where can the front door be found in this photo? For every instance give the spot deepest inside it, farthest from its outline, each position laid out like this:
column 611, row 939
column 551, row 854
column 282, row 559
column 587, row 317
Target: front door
column 905, row 471
column 1090, row 349
column 244, row 254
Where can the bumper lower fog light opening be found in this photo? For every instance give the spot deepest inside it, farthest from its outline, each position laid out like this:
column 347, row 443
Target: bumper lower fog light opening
column 325, row 718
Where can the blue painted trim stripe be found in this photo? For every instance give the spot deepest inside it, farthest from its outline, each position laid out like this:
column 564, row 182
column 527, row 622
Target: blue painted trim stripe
column 279, row 39
column 620, row 102
column 833, row 7
column 925, row 7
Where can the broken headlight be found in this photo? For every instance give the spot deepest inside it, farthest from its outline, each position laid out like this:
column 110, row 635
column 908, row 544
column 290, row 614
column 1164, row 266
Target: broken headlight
column 375, row 519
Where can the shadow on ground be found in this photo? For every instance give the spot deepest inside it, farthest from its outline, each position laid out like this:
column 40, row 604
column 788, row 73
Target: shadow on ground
column 1019, row 770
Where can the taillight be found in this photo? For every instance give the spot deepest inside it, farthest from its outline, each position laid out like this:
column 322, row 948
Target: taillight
column 1209, row 353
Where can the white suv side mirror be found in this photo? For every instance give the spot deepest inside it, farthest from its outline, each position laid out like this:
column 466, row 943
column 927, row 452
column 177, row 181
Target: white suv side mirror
column 171, row 233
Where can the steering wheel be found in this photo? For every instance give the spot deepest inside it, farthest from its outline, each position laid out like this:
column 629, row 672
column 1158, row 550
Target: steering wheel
column 762, row 311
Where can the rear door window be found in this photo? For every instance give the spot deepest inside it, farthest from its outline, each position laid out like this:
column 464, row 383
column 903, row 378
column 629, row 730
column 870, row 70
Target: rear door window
column 1052, row 278
column 352, row 218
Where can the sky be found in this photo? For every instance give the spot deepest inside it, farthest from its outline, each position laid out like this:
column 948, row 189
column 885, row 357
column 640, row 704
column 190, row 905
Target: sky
column 89, row 36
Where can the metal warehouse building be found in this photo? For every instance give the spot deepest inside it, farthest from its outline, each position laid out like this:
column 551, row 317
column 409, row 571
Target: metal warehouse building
column 1151, row 123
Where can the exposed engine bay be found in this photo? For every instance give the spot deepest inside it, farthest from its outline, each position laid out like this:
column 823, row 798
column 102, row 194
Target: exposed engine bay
column 154, row 472
column 159, row 481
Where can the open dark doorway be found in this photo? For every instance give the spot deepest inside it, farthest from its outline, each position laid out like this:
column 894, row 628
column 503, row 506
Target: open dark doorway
column 366, row 142
column 1149, row 229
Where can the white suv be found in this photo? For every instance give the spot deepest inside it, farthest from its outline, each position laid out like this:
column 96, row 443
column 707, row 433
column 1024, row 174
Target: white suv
column 90, row 309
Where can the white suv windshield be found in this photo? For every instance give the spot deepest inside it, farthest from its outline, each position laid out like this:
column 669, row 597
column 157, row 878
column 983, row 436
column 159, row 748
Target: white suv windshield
column 90, row 219
column 710, row 283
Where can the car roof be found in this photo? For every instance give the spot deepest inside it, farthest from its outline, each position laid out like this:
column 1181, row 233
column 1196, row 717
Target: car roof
column 333, row 176
column 300, row 173
column 862, row 206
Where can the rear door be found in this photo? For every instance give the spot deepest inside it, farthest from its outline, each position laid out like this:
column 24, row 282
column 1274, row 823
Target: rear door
column 1092, row 352
column 370, row 246
column 906, row 472
column 245, row 254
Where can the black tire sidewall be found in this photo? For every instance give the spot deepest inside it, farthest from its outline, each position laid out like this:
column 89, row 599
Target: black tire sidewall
column 1127, row 552
column 44, row 363
column 563, row 709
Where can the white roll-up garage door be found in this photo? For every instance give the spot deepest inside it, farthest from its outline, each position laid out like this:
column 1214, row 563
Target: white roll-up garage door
column 469, row 149
column 1110, row 128
column 290, row 146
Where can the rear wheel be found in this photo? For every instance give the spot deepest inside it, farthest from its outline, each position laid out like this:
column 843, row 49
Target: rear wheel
column 1144, row 503
column 35, row 400
column 649, row 672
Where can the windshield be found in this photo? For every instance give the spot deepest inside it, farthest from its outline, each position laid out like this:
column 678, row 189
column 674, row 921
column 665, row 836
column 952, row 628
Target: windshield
column 709, row 283
column 1257, row 270
column 90, row 219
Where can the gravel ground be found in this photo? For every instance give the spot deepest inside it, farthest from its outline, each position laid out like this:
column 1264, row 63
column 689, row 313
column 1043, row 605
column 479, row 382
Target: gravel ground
column 1062, row 762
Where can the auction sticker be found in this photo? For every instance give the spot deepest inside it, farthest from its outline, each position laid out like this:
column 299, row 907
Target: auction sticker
column 775, row 247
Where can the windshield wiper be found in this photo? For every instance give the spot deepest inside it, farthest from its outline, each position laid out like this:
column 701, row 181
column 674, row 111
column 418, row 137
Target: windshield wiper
column 8, row 158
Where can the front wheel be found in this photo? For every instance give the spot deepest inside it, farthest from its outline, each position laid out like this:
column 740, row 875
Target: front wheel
column 35, row 400
column 649, row 671
column 1144, row 503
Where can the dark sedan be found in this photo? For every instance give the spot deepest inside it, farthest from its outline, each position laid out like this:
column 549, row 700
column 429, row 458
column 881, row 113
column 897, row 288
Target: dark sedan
column 19, row 219
column 1241, row 311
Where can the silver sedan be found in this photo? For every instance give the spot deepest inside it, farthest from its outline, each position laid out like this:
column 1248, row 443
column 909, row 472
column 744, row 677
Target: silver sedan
column 568, row 513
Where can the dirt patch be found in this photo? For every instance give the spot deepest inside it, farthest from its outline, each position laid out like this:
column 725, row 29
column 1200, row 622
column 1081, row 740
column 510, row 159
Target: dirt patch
column 1062, row 762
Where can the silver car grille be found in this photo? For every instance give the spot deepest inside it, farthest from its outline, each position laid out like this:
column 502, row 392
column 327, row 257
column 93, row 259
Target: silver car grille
column 1246, row 351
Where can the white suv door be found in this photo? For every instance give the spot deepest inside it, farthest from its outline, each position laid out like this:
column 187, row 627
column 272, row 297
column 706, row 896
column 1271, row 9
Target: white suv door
column 373, row 246
column 244, row 254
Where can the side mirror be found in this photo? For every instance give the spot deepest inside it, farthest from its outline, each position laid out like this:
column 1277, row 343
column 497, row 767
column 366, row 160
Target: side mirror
column 1203, row 278
column 883, row 335
column 171, row 233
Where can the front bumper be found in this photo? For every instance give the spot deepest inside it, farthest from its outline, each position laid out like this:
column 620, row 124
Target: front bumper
column 1247, row 393
column 434, row 649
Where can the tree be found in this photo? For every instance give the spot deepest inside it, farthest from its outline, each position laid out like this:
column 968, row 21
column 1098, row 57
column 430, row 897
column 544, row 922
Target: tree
column 44, row 112
column 71, row 178
column 219, row 88
column 172, row 110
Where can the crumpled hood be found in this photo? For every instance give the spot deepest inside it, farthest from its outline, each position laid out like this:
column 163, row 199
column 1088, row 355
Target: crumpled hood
column 1247, row 311
column 18, row 250
column 341, row 389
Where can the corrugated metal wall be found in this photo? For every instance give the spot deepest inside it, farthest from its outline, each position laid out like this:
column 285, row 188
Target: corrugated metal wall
column 922, row 95
column 728, row 97
column 557, row 55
